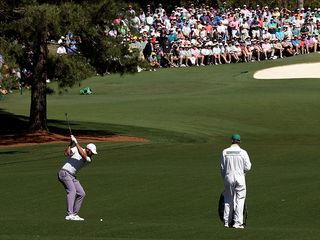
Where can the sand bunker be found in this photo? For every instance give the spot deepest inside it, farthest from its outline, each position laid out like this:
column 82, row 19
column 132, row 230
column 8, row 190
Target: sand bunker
column 307, row 70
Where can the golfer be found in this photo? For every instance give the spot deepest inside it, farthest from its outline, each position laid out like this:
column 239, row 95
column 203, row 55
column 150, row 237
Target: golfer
column 77, row 157
column 234, row 164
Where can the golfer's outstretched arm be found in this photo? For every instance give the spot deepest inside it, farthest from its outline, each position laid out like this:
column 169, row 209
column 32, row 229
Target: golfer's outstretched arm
column 82, row 153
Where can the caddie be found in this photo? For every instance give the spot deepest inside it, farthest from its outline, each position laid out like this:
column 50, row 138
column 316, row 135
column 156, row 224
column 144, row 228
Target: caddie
column 77, row 157
column 234, row 164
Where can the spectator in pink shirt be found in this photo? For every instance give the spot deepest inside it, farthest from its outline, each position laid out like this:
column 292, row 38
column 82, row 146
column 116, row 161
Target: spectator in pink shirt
column 267, row 49
column 197, row 55
column 234, row 26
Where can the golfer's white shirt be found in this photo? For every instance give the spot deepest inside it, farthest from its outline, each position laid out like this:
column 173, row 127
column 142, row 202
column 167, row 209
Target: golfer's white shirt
column 75, row 162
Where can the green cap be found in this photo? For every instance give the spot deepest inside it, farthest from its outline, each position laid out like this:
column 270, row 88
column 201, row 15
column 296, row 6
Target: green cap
column 235, row 137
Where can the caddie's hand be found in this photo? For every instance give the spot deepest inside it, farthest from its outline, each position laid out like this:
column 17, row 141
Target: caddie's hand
column 73, row 139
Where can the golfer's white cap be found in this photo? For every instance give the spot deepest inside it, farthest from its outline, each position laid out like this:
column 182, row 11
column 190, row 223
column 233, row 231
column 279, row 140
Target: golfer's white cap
column 92, row 148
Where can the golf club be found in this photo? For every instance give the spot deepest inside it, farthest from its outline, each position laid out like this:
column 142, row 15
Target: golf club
column 66, row 114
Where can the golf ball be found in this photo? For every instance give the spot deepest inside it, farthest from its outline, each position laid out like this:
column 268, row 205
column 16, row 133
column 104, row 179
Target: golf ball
column 101, row 219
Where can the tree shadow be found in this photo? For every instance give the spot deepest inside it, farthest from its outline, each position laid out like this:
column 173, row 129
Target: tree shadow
column 12, row 124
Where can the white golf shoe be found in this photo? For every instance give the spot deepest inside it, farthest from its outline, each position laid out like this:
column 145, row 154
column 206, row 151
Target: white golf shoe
column 72, row 217
column 78, row 218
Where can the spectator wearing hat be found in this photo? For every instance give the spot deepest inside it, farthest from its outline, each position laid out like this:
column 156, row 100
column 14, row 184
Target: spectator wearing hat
column 272, row 28
column 230, row 52
column 197, row 55
column 205, row 18
column 255, row 28
column 249, row 49
column 203, row 33
column 244, row 28
column 186, row 30
column 172, row 36
column 223, row 53
column 266, row 35
column 276, row 13
column 62, row 40
column 174, row 55
column 192, row 21
column 142, row 16
column 267, row 49
column 287, row 45
column 256, row 50
column 287, row 32
column 221, row 30
column 189, row 57
column 280, row 34
column 148, row 49
column 278, row 49
column 312, row 43
column 227, row 52
column 234, row 26
column 244, row 11
column 245, row 54
column 159, row 10
column 216, row 51
column 209, row 29
column 149, row 19
column 183, row 59
column 309, row 44
column 207, row 53
column 61, row 50
column 305, row 30
column 302, row 44
column 296, row 45
column 237, row 52
column 154, row 62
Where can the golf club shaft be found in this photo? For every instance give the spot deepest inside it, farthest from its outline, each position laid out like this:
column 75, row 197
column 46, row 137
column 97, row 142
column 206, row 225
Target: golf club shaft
column 68, row 123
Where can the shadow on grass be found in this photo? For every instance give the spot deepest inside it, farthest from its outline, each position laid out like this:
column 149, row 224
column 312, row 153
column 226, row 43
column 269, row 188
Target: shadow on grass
column 16, row 125
column 12, row 124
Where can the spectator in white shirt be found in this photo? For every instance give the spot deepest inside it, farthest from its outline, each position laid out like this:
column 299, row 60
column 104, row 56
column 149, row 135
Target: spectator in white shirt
column 61, row 50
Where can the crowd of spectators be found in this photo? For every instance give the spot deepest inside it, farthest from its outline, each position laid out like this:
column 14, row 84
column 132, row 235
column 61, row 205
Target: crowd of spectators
column 203, row 35
column 197, row 36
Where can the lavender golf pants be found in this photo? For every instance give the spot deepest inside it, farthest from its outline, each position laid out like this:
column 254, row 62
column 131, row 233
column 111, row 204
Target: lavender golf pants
column 75, row 192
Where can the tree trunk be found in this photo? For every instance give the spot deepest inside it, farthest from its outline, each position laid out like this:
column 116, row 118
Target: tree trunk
column 300, row 3
column 38, row 108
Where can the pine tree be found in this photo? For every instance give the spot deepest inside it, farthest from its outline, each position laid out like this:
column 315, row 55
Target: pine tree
column 30, row 24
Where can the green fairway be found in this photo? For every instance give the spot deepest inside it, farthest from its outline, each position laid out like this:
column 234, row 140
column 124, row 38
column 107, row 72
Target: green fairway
column 169, row 188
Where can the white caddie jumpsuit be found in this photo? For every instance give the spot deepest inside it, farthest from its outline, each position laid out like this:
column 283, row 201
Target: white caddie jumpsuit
column 234, row 163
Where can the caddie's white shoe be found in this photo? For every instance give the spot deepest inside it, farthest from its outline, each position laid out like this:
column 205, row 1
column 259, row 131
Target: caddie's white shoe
column 226, row 225
column 238, row 226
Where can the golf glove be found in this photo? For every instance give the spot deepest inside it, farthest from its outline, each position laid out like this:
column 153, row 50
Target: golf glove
column 73, row 139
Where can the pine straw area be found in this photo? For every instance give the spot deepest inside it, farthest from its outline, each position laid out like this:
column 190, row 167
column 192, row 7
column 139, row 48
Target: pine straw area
column 29, row 139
